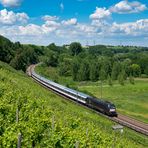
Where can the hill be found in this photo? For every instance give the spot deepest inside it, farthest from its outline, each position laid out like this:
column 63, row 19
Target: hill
column 46, row 120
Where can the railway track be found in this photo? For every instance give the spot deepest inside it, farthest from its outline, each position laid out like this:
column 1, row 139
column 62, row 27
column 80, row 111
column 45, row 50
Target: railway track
column 132, row 123
column 129, row 122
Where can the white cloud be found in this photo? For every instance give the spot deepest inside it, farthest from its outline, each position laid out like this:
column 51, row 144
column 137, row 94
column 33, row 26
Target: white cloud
column 50, row 18
column 86, row 29
column 72, row 21
column 56, row 30
column 50, row 26
column 10, row 3
column 138, row 28
column 9, row 17
column 30, row 29
column 100, row 13
column 22, row 17
column 128, row 7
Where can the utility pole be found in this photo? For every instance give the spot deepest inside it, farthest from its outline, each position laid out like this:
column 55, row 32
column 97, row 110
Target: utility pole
column 94, row 42
column 101, row 89
column 87, row 44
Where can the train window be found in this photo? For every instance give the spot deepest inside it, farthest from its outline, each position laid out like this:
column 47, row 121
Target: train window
column 112, row 106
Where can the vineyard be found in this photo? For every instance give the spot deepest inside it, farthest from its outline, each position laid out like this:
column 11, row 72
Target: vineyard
column 42, row 119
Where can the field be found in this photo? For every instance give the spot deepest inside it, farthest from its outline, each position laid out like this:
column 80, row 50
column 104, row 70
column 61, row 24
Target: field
column 129, row 99
column 46, row 120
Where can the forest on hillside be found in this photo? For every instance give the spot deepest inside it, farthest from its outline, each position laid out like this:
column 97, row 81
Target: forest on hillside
column 92, row 63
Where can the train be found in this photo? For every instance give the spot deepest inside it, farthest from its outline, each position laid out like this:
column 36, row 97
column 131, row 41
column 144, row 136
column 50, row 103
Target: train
column 102, row 106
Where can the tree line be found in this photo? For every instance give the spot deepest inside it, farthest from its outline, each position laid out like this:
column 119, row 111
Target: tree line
column 98, row 62
column 81, row 63
column 17, row 55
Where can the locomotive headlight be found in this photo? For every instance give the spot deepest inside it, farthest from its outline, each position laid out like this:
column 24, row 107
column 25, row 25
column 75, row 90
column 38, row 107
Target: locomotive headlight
column 112, row 110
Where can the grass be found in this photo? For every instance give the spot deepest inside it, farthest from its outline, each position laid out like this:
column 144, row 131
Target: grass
column 129, row 99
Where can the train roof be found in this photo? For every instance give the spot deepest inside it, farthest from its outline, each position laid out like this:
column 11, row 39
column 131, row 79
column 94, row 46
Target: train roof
column 61, row 86
column 100, row 101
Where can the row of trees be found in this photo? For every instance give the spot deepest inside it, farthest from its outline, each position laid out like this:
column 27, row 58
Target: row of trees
column 17, row 55
column 101, row 69
column 82, row 64
column 95, row 63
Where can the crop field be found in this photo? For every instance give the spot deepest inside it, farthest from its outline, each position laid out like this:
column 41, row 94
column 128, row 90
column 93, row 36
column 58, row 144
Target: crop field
column 44, row 119
column 129, row 99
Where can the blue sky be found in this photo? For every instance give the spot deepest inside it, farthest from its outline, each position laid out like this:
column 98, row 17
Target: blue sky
column 63, row 21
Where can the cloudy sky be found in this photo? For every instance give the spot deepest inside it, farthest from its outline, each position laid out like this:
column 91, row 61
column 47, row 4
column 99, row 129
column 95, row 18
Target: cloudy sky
column 42, row 22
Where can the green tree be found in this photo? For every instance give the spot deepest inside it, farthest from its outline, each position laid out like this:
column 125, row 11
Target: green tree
column 131, row 79
column 23, row 59
column 83, row 73
column 75, row 48
column 75, row 68
column 105, row 62
column 53, row 47
column 115, row 70
column 51, row 59
column 102, row 74
column 93, row 71
column 109, row 80
column 135, row 70
column 125, row 65
column 6, row 49
column 65, row 67
column 142, row 61
column 121, row 79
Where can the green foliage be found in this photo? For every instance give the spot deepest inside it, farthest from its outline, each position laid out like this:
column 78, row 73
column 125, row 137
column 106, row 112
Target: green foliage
column 102, row 74
column 142, row 62
column 75, row 69
column 131, row 79
column 65, row 67
column 17, row 55
column 100, row 50
column 116, row 70
column 23, row 59
column 75, row 48
column 112, row 59
column 93, row 71
column 6, row 49
column 135, row 70
column 121, row 79
column 53, row 48
column 110, row 80
column 83, row 73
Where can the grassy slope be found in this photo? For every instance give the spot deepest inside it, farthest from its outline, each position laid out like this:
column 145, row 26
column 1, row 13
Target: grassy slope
column 50, row 120
column 129, row 99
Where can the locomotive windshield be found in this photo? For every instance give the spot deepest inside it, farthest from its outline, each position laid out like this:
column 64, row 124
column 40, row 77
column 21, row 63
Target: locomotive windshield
column 112, row 106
